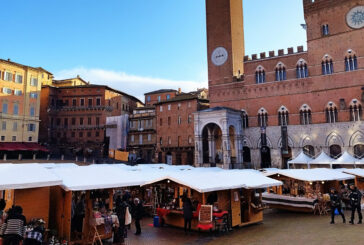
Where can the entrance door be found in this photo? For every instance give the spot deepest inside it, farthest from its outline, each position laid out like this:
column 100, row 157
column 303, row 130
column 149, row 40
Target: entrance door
column 169, row 159
column 235, row 208
column 265, row 156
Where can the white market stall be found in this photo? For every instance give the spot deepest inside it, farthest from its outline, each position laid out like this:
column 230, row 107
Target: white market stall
column 301, row 159
column 321, row 160
column 345, row 160
column 303, row 188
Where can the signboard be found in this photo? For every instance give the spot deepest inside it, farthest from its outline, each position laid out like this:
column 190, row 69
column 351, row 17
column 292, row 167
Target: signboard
column 205, row 215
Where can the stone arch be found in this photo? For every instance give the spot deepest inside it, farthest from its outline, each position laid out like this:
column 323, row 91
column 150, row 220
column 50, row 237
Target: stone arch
column 290, row 142
column 269, row 143
column 260, row 68
column 326, row 57
column 247, row 142
column 301, row 61
column 306, row 141
column 356, row 138
column 334, row 139
column 283, row 109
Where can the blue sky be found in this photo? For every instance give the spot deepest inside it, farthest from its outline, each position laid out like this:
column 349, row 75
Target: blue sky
column 135, row 45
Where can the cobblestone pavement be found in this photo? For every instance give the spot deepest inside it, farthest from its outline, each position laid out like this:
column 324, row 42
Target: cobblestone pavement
column 279, row 228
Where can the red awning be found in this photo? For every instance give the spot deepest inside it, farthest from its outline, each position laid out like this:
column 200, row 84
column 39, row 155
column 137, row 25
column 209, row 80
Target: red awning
column 22, row 147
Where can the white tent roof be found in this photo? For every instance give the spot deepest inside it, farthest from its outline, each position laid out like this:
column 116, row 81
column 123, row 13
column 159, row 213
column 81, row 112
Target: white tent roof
column 322, row 159
column 207, row 181
column 317, row 174
column 345, row 158
column 302, row 158
column 58, row 165
column 359, row 161
column 24, row 176
column 356, row 171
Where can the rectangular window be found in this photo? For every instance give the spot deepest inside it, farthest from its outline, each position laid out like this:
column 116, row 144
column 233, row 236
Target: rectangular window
column 161, row 141
column 148, row 98
column 31, row 127
column 97, row 134
column 34, row 82
column 32, row 111
column 149, row 137
column 168, row 96
column 58, row 121
column 132, row 138
column 18, row 78
column 160, row 122
column 89, row 102
column 74, row 102
column 131, row 124
column 15, row 126
column 89, row 134
column 169, row 107
column 66, row 123
column 2, row 138
column 73, row 121
column 98, row 101
column 169, row 140
column 179, row 120
column 30, row 139
column 5, row 108
column 13, row 138
column 73, row 134
column 159, row 98
column 82, row 102
column 8, row 76
column 81, row 121
column 89, row 120
column 140, row 139
column 34, row 95
column 161, row 108
column 80, row 134
column 169, row 121
column 16, row 109
column 7, row 91
column 3, row 125
column 97, row 121
column 18, row 92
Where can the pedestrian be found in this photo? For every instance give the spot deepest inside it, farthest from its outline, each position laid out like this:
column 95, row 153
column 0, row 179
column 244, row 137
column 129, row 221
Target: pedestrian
column 14, row 227
column 187, row 213
column 121, row 210
column 2, row 207
column 335, row 203
column 355, row 203
column 138, row 212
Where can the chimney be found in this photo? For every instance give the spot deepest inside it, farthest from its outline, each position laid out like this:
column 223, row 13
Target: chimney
column 246, row 57
column 299, row 49
column 78, row 76
column 290, row 50
column 254, row 56
column 262, row 55
column 9, row 59
column 280, row 52
column 179, row 91
column 271, row 53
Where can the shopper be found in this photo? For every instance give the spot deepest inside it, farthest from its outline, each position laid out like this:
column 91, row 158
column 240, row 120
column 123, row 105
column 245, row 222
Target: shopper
column 2, row 207
column 13, row 228
column 187, row 213
column 121, row 209
column 335, row 203
column 138, row 212
column 355, row 203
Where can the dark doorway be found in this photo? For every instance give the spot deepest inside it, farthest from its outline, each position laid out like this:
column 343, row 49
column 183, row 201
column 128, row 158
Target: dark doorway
column 190, row 158
column 286, row 156
column 160, row 157
column 178, row 158
column 265, row 156
column 246, row 155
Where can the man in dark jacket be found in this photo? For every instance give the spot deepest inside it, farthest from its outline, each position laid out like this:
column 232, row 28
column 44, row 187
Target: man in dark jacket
column 335, row 203
column 187, row 212
column 120, row 208
column 138, row 212
column 355, row 203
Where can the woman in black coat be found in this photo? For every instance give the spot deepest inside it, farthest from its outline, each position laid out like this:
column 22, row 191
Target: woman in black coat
column 187, row 213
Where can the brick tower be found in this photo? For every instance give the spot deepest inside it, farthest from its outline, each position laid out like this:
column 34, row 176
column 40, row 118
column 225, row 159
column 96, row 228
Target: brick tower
column 225, row 41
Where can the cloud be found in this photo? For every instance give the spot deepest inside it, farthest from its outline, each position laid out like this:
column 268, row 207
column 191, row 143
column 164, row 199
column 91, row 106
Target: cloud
column 132, row 84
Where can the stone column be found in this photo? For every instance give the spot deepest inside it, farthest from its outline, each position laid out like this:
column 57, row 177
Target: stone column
column 198, row 151
column 226, row 150
column 211, row 141
column 239, row 150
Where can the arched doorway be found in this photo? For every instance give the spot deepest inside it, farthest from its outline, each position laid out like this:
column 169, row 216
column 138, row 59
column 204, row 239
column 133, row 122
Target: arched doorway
column 359, row 151
column 265, row 157
column 232, row 144
column 212, row 144
column 246, row 155
column 309, row 150
column 335, row 151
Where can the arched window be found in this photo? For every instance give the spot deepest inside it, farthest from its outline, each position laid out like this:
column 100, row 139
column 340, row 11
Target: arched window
column 327, row 65
column 325, row 30
column 355, row 111
column 263, row 117
column 281, row 73
column 359, row 151
column 283, row 116
column 301, row 69
column 305, row 115
column 331, row 113
column 335, row 151
column 245, row 119
column 259, row 75
column 351, row 62
column 309, row 150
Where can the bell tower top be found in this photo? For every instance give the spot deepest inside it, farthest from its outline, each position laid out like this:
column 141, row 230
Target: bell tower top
column 225, row 40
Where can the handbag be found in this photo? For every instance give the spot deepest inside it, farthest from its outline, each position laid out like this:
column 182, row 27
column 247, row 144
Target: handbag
column 127, row 216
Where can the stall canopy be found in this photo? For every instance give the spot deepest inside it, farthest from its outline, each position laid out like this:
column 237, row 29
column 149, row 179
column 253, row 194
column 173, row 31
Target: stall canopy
column 302, row 158
column 345, row 159
column 25, row 176
column 208, row 181
column 322, row 159
column 357, row 172
column 359, row 162
column 317, row 174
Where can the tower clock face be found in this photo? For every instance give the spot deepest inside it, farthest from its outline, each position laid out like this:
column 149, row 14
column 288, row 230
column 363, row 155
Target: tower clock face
column 219, row 56
column 355, row 17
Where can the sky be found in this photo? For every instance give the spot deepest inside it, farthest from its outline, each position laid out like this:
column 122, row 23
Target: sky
column 135, row 45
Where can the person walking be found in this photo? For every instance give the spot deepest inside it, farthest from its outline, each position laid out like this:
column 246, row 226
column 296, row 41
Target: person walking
column 355, row 203
column 2, row 207
column 121, row 210
column 14, row 227
column 335, row 203
column 138, row 212
column 187, row 213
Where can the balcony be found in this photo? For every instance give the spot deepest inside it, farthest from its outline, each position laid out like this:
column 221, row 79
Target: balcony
column 81, row 108
column 78, row 127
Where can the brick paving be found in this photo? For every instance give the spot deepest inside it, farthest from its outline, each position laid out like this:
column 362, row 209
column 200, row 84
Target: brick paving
column 278, row 228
